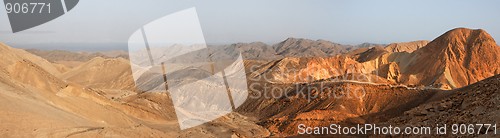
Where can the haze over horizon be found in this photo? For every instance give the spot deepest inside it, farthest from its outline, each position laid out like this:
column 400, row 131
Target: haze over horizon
column 101, row 25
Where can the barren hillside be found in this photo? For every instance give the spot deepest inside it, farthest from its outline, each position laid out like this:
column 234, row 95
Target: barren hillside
column 36, row 103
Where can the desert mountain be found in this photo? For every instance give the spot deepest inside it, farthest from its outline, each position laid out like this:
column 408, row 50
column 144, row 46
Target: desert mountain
column 26, row 68
column 102, row 74
column 354, row 52
column 61, row 55
column 364, row 54
column 114, row 54
column 396, row 66
column 73, row 59
column 291, row 47
column 457, row 58
column 369, row 45
column 295, row 47
column 406, row 46
column 13, row 55
column 36, row 103
column 255, row 50
column 378, row 60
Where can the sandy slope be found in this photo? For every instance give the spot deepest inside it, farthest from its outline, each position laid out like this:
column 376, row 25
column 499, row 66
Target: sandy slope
column 36, row 103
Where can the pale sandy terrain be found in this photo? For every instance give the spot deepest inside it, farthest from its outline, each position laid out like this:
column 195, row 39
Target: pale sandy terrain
column 37, row 103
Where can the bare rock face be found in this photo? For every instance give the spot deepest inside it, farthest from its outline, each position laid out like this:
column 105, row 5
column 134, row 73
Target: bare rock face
column 60, row 55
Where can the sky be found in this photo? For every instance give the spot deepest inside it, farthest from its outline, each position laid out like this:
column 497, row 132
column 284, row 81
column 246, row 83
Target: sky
column 108, row 24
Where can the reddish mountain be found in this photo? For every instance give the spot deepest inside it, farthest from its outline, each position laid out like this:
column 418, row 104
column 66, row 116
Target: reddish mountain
column 457, row 58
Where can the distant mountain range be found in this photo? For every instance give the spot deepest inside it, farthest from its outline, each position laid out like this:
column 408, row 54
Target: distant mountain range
column 61, row 55
column 291, row 47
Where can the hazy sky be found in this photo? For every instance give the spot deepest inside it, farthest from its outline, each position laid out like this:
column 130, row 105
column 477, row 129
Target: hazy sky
column 107, row 24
